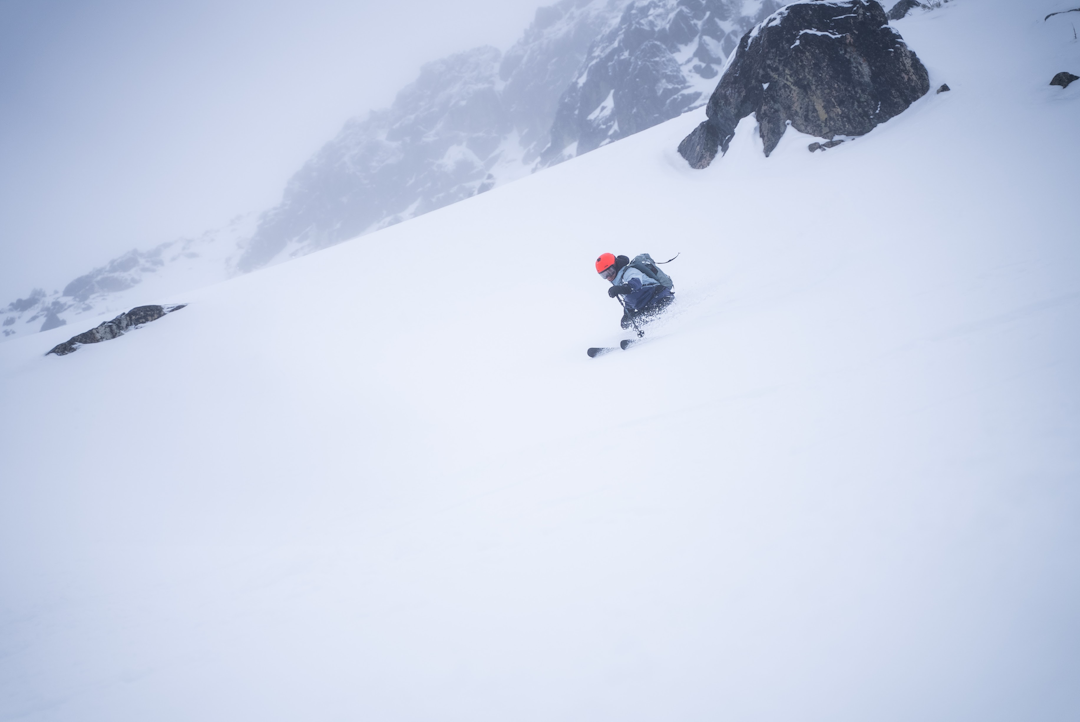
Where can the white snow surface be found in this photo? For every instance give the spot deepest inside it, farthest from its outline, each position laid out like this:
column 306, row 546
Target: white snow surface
column 384, row 481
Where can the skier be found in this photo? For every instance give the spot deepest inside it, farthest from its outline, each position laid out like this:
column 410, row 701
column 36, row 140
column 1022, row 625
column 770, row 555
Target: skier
column 645, row 294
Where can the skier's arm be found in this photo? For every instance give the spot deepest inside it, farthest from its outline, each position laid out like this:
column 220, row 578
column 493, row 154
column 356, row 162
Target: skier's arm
column 636, row 280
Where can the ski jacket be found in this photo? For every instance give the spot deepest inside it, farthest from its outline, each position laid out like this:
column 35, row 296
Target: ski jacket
column 645, row 291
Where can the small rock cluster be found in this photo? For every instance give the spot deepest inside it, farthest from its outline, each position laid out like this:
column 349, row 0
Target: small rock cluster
column 117, row 327
column 814, row 147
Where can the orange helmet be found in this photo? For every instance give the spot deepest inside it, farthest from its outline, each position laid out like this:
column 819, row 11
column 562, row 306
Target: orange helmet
column 604, row 262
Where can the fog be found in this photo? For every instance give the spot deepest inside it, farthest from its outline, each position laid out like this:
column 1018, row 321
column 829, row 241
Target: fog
column 124, row 124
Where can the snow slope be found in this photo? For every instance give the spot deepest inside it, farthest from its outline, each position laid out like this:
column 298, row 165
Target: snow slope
column 384, row 482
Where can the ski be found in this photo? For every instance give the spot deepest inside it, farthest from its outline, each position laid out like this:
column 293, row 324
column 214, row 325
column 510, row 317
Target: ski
column 601, row 350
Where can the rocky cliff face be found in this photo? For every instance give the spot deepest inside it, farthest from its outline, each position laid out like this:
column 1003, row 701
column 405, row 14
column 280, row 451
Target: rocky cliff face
column 827, row 68
column 659, row 60
column 537, row 69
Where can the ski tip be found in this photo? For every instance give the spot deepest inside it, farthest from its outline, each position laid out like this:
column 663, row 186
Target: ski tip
column 598, row 351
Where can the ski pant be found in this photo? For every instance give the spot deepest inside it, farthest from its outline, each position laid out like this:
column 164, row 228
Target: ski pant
column 647, row 314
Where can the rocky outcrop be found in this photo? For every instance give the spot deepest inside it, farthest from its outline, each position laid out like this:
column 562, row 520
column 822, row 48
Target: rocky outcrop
column 827, row 68
column 701, row 146
column 657, row 62
column 120, row 325
column 1064, row 79
column 53, row 320
column 35, row 307
column 119, row 274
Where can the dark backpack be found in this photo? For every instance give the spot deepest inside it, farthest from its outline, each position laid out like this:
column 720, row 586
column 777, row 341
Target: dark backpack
column 644, row 263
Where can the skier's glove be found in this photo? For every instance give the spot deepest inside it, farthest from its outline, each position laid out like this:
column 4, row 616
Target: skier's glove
column 616, row 290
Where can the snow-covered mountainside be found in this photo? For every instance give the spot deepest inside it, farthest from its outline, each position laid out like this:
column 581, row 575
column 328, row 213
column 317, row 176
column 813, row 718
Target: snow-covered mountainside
column 384, row 482
column 584, row 74
column 469, row 123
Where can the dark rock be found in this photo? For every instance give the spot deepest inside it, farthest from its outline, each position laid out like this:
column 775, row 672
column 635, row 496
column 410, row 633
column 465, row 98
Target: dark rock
column 52, row 316
column 943, row 89
column 902, row 8
column 25, row 304
column 700, row 147
column 120, row 274
column 825, row 68
column 1063, row 79
column 112, row 329
column 52, row 321
column 81, row 288
column 824, row 146
column 706, row 71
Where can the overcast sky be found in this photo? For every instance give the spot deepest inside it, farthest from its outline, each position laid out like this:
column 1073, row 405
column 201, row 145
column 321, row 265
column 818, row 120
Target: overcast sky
column 125, row 123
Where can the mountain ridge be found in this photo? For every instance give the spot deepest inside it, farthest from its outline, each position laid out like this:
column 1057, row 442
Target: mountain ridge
column 471, row 121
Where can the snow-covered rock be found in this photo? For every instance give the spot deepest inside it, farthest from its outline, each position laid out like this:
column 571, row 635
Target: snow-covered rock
column 824, row 68
column 115, row 328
